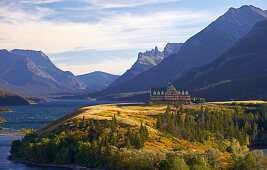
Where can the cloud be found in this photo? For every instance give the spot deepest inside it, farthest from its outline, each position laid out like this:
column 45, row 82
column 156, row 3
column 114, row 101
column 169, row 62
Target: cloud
column 28, row 27
column 15, row 13
column 39, row 1
column 110, row 32
column 111, row 66
column 104, row 4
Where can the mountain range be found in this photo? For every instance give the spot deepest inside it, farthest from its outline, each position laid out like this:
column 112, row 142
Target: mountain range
column 217, row 59
column 239, row 74
column 31, row 73
column 197, row 51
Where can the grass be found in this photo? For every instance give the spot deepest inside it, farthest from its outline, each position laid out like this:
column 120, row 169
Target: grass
column 128, row 115
column 5, row 110
column 265, row 162
column 240, row 102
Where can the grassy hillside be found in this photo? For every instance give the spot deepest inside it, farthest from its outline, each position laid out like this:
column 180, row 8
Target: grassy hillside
column 7, row 99
column 138, row 136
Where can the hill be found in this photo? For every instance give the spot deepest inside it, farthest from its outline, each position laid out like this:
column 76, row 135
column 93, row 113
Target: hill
column 31, row 73
column 239, row 74
column 9, row 99
column 138, row 136
column 199, row 50
column 97, row 80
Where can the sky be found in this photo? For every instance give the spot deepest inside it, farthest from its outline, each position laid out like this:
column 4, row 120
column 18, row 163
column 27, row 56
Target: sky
column 83, row 36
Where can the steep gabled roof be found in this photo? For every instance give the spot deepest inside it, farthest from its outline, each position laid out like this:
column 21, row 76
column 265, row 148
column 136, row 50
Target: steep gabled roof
column 160, row 89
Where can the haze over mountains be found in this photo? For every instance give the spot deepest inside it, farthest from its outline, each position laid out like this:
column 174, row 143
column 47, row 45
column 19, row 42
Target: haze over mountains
column 31, row 73
column 147, row 60
column 199, row 50
column 239, row 74
column 97, row 80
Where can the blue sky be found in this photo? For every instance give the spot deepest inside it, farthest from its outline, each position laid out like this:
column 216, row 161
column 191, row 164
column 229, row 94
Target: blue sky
column 105, row 35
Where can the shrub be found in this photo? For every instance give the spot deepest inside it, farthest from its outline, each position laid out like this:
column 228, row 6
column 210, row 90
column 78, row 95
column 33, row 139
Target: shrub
column 253, row 160
column 198, row 162
column 214, row 158
column 150, row 103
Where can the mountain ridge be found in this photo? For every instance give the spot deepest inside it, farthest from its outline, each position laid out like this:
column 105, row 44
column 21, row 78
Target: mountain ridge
column 147, row 60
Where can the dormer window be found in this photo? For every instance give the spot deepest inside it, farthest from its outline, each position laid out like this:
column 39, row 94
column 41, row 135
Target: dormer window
column 154, row 93
column 158, row 93
column 186, row 92
column 182, row 92
column 162, row 92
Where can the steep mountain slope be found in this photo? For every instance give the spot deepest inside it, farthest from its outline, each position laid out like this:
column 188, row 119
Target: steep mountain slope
column 65, row 78
column 31, row 73
column 239, row 74
column 7, row 99
column 97, row 80
column 200, row 49
column 144, row 62
column 147, row 60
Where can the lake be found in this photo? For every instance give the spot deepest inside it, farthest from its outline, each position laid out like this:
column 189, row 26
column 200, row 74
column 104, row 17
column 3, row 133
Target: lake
column 34, row 116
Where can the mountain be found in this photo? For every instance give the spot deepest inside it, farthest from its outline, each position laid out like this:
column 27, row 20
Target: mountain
column 147, row 60
column 31, row 73
column 97, row 80
column 171, row 48
column 239, row 74
column 144, row 62
column 8, row 99
column 199, row 50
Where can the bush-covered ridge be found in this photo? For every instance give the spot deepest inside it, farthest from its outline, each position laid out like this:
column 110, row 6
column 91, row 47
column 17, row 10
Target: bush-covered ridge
column 114, row 144
column 7, row 99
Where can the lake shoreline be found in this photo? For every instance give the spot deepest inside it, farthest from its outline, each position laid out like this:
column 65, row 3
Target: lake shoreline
column 69, row 166
column 13, row 133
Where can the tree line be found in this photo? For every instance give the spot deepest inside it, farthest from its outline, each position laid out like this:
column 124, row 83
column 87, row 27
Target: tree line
column 246, row 123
